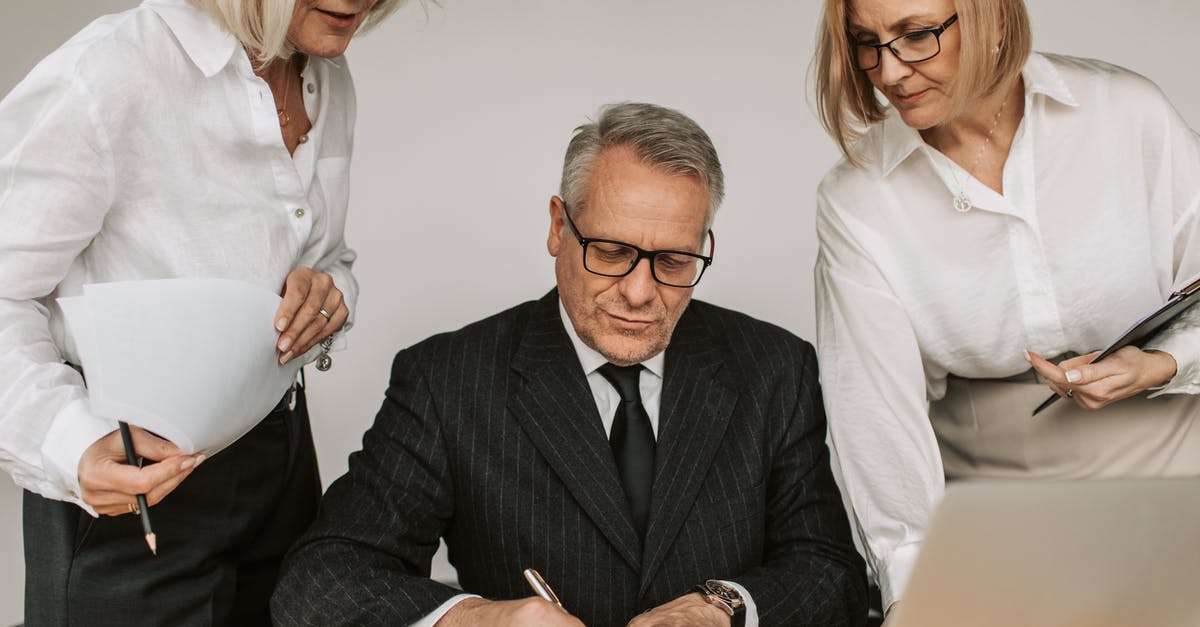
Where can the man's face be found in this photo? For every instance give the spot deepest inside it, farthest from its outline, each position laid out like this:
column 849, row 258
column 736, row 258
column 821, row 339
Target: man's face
column 627, row 319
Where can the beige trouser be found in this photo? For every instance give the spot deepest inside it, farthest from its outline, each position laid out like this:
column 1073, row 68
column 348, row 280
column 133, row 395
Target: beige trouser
column 984, row 429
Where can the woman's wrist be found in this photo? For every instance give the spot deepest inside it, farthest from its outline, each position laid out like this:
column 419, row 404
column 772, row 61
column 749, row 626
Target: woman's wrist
column 1163, row 369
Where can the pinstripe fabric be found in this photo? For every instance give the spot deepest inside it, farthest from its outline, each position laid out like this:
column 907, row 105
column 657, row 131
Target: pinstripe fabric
column 489, row 436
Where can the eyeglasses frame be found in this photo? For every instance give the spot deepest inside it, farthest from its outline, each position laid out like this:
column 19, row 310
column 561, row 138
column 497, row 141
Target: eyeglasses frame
column 641, row 253
column 937, row 35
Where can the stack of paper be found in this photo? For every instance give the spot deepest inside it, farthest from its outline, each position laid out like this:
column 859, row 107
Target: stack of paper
column 192, row 360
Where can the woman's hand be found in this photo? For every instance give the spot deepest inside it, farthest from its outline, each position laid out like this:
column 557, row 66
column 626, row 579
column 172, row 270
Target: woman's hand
column 110, row 485
column 312, row 310
column 1127, row 372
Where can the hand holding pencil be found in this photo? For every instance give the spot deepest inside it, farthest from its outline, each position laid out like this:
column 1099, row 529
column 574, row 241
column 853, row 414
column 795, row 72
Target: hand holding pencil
column 110, row 484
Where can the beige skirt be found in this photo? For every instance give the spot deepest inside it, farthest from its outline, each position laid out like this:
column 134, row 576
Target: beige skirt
column 984, row 429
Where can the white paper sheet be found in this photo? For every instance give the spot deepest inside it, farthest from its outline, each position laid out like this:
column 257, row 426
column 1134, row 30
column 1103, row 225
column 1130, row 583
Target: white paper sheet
column 192, row 360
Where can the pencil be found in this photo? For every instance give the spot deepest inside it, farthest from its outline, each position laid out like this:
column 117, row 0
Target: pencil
column 143, row 508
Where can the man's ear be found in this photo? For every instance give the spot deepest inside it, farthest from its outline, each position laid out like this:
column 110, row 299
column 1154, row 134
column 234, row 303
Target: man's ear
column 558, row 225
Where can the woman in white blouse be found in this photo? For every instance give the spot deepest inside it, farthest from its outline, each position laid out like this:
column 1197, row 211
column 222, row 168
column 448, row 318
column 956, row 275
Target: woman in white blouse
column 1000, row 201
column 178, row 139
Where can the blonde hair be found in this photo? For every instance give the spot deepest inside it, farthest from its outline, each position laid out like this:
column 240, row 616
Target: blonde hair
column 261, row 26
column 996, row 42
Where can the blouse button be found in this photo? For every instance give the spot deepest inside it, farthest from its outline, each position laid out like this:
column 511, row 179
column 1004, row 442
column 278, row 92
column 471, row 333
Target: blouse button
column 311, row 88
column 299, row 212
column 303, row 139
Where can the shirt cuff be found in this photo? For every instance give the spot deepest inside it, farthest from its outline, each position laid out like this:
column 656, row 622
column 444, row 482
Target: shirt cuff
column 751, row 608
column 433, row 617
column 1181, row 347
column 893, row 577
column 74, row 429
column 344, row 282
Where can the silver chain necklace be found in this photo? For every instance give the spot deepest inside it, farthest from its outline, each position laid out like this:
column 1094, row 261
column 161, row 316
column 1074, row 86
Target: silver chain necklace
column 962, row 202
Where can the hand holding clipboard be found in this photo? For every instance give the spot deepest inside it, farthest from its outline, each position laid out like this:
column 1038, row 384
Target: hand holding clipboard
column 1144, row 328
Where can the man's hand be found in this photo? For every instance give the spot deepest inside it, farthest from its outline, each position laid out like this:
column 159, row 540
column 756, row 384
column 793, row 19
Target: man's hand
column 1125, row 373
column 532, row 611
column 110, row 485
column 689, row 610
column 299, row 320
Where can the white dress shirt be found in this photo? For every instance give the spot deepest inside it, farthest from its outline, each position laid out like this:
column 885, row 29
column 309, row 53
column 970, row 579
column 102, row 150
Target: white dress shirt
column 1096, row 226
column 146, row 148
column 607, row 400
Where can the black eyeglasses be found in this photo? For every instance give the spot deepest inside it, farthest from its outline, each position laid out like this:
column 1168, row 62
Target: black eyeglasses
column 911, row 47
column 673, row 268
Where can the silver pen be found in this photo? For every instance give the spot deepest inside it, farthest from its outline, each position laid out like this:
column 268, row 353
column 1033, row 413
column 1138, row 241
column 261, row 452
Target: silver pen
column 540, row 587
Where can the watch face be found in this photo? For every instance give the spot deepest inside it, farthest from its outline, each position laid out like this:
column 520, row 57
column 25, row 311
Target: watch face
column 729, row 593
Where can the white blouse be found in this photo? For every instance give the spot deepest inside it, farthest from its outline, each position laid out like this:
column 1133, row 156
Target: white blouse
column 144, row 148
column 1096, row 226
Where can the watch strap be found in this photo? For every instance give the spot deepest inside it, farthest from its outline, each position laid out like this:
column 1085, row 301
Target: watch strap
column 736, row 610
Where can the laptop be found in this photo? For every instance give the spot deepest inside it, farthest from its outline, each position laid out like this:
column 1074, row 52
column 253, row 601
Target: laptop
column 1096, row 553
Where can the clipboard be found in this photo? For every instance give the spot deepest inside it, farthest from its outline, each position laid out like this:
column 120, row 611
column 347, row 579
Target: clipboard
column 1145, row 328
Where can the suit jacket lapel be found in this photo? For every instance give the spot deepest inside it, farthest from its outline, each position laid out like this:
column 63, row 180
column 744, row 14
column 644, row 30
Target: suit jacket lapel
column 555, row 408
column 697, row 401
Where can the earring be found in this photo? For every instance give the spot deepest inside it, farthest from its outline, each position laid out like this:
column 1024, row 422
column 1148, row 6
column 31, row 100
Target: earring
column 996, row 49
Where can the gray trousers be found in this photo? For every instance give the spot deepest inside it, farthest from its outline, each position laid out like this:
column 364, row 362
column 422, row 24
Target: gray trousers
column 221, row 536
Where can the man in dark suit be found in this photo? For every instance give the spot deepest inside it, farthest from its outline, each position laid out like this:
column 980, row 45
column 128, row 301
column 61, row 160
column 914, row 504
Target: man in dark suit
column 659, row 462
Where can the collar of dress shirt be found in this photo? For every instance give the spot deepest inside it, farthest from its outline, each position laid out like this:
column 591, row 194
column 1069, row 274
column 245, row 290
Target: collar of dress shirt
column 591, row 359
column 900, row 140
column 208, row 45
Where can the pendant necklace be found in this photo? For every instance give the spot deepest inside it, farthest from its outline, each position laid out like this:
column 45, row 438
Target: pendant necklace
column 284, row 118
column 962, row 202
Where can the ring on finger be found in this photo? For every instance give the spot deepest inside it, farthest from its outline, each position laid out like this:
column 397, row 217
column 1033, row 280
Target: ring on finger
column 132, row 508
column 1070, row 393
column 327, row 315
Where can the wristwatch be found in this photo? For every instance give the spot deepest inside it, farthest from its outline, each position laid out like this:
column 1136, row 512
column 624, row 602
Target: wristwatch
column 725, row 597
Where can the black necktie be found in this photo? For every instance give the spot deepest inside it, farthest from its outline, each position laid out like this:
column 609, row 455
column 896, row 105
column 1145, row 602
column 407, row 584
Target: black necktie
column 632, row 441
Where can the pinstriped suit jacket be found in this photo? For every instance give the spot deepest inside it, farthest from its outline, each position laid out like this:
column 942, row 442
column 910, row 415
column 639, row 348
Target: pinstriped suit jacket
column 489, row 436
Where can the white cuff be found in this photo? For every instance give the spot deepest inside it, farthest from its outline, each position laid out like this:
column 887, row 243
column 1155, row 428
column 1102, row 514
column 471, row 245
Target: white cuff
column 74, row 429
column 893, row 577
column 433, row 617
column 751, row 608
column 1187, row 363
column 344, row 282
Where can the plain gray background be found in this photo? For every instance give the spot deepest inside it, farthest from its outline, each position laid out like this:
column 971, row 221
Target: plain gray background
column 465, row 110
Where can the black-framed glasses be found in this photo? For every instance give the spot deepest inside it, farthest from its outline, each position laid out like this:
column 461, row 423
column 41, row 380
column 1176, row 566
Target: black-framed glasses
column 674, row 268
column 911, row 47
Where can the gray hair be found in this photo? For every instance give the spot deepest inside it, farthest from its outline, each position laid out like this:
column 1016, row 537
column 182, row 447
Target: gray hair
column 261, row 26
column 662, row 138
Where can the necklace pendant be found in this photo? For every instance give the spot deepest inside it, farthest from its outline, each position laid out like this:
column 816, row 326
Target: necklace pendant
column 284, row 118
column 324, row 362
column 962, row 203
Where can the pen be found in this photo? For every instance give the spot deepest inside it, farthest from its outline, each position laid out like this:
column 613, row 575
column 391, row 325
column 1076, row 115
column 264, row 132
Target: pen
column 540, row 587
column 143, row 508
column 1046, row 403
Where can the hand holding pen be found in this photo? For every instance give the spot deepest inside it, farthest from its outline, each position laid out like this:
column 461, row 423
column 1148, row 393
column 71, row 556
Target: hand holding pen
column 1096, row 380
column 545, row 610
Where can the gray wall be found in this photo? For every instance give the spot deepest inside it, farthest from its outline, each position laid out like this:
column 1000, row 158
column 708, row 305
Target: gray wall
column 463, row 117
